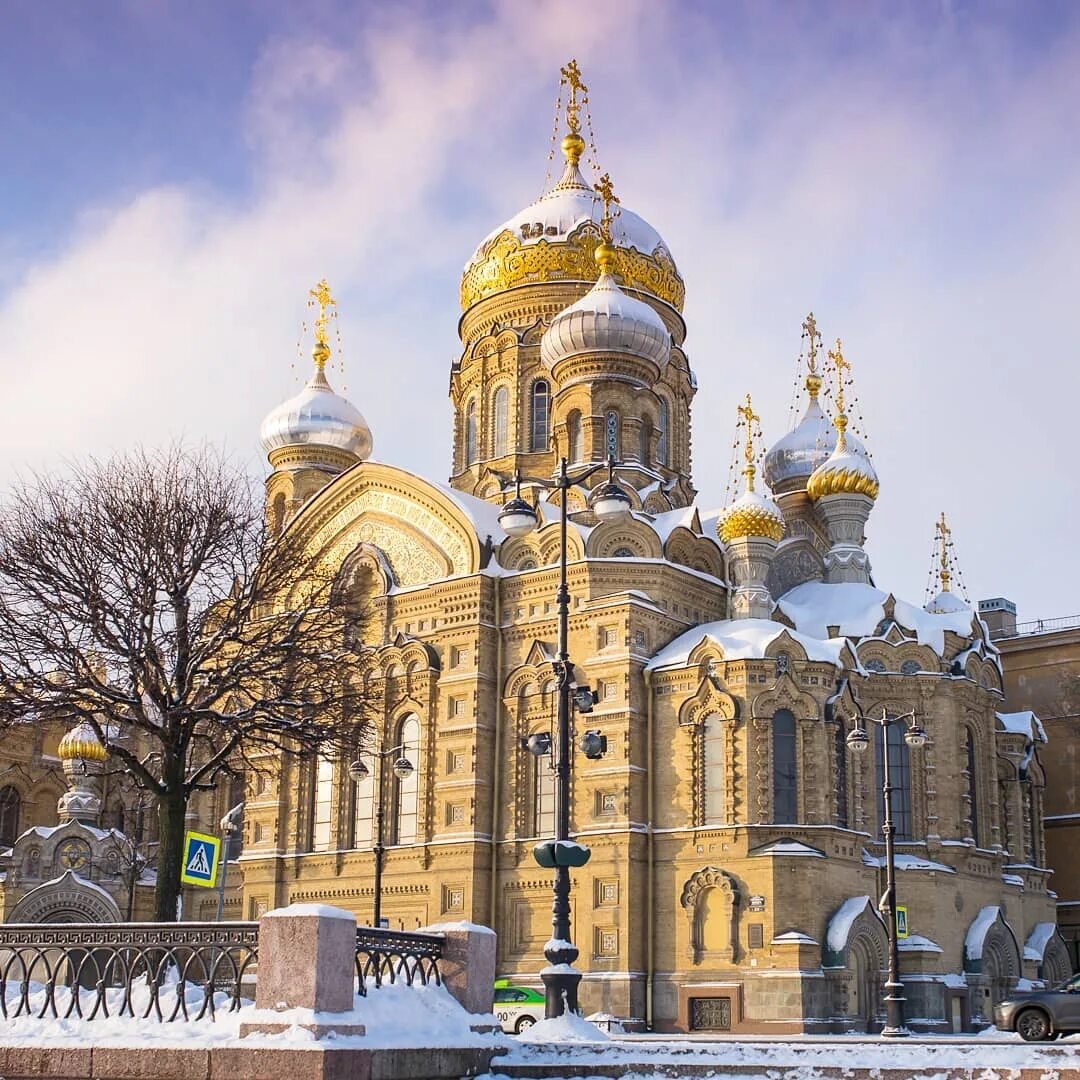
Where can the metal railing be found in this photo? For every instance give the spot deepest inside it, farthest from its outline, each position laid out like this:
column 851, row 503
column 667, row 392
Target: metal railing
column 170, row 971
column 395, row 956
column 1039, row 626
column 160, row 971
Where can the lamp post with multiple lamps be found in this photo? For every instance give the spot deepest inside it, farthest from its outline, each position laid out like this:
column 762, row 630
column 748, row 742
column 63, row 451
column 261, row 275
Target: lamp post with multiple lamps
column 358, row 771
column 518, row 518
column 857, row 740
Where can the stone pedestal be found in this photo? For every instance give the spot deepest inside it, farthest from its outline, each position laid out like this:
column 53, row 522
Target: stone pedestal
column 306, row 963
column 468, row 964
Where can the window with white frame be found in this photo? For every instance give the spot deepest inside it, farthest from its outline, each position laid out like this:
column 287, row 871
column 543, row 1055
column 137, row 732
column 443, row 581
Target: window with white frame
column 543, row 797
column 364, row 805
column 321, row 835
column 713, row 765
column 406, row 798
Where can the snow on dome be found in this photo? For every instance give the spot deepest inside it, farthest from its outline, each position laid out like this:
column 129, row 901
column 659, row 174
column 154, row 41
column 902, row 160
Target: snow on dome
column 606, row 319
column 317, row 416
column 858, row 609
column 750, row 514
column 806, row 446
column 946, row 603
column 81, row 743
column 742, row 639
column 570, row 204
column 846, row 471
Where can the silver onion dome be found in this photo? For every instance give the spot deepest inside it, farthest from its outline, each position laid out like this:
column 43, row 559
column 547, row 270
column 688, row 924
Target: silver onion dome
column 606, row 319
column 791, row 460
column 318, row 417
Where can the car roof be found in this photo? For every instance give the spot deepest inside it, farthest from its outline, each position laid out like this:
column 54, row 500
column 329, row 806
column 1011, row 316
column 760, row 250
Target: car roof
column 533, row 995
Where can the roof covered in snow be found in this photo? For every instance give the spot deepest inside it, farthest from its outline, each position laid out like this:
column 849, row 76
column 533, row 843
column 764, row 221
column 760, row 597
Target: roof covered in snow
column 858, row 610
column 742, row 639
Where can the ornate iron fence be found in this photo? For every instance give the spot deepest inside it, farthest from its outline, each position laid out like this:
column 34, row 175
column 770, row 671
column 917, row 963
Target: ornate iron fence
column 394, row 956
column 163, row 971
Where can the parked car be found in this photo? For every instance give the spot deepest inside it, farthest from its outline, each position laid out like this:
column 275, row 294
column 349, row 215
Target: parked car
column 517, row 1007
column 1041, row 1014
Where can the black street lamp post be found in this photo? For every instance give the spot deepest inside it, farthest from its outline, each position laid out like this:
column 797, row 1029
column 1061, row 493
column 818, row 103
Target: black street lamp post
column 358, row 771
column 857, row 741
column 609, row 502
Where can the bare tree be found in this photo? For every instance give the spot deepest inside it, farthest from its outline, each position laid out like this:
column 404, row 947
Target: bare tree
column 145, row 596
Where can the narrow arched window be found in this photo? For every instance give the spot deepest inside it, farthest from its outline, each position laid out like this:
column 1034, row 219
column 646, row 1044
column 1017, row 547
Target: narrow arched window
column 470, row 432
column 543, row 778
column 971, row 776
column 538, row 415
column 840, row 754
column 611, row 435
column 646, row 438
column 785, row 779
column 500, row 408
column 10, row 807
column 574, row 436
column 899, row 777
column 662, row 426
column 364, row 805
column 322, row 805
column 407, row 789
column 713, row 762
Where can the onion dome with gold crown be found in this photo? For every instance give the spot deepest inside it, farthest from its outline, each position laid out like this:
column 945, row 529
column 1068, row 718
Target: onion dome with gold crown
column 553, row 238
column 81, row 744
column 751, row 514
column 847, row 470
column 790, row 461
column 317, row 416
column 605, row 319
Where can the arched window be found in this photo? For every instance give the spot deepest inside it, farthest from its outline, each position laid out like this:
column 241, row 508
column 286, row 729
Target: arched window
column 470, row 432
column 574, row 436
column 500, row 408
column 646, row 438
column 899, row 777
column 543, row 783
column 364, row 805
column 971, row 776
column 611, row 435
column 662, row 441
column 10, row 805
column 840, row 753
column 538, row 415
column 277, row 513
column 406, row 790
column 785, row 779
column 322, row 804
column 713, row 761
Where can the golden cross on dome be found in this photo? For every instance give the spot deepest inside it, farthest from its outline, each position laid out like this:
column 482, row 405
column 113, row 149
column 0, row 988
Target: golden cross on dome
column 811, row 331
column 606, row 192
column 840, row 421
column 746, row 412
column 944, row 534
column 572, row 75
column 321, row 295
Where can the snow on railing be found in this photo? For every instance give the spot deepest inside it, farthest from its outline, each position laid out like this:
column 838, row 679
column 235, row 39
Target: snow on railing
column 396, row 956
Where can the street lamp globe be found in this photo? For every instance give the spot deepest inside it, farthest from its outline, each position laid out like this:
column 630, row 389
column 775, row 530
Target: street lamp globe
column 916, row 736
column 857, row 740
column 403, row 768
column 357, row 771
column 610, row 502
column 517, row 517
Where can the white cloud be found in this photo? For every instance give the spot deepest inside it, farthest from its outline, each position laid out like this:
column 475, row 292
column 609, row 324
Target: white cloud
column 918, row 192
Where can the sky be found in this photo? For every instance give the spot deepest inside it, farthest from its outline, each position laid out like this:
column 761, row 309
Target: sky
column 177, row 175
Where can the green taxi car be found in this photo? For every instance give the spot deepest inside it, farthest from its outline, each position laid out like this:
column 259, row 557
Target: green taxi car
column 517, row 1007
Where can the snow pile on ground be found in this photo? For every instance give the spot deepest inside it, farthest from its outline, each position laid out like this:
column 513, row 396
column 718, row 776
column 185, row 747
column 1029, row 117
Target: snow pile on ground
column 395, row 1015
column 568, row 1028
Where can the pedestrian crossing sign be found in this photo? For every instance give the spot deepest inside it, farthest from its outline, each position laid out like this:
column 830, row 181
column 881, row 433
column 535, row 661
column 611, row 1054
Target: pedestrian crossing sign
column 201, row 856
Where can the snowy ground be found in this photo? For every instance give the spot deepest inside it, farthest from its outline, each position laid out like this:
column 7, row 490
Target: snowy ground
column 555, row 1044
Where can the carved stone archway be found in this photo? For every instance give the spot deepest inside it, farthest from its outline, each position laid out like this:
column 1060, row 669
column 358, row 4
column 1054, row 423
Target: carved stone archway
column 68, row 899
column 694, row 902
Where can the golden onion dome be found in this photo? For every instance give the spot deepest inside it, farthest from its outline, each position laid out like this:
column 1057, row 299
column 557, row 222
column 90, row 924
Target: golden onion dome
column 751, row 514
column 81, row 743
column 553, row 238
column 847, row 470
